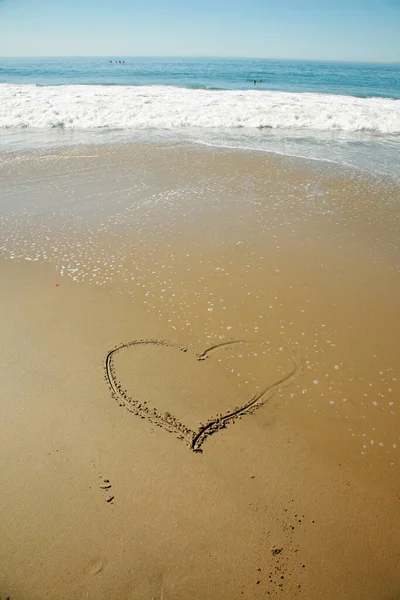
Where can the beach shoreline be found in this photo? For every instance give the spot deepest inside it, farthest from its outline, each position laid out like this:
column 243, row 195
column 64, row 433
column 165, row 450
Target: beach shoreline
column 271, row 260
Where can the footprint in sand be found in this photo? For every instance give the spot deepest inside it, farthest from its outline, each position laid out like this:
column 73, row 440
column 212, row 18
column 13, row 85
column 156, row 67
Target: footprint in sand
column 95, row 565
column 106, row 486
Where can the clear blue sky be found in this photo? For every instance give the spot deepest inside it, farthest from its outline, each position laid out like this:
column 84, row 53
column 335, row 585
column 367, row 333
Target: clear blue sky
column 365, row 30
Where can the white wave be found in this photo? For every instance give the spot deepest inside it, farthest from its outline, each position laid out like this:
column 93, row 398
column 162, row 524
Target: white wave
column 128, row 107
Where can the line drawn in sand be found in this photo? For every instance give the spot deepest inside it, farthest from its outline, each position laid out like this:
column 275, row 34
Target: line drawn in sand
column 194, row 439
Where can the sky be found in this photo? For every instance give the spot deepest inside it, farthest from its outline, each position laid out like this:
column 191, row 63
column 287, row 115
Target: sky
column 354, row 30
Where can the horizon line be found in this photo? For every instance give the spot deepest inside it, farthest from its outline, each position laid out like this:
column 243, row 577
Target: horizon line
column 209, row 57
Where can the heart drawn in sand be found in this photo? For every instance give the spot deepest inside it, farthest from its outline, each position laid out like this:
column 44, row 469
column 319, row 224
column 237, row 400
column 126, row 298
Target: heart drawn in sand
column 192, row 436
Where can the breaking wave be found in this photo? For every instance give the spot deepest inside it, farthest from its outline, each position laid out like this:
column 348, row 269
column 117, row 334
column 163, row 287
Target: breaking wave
column 166, row 107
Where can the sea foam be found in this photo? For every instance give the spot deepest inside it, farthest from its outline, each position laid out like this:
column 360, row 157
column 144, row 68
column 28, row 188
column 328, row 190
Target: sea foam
column 130, row 107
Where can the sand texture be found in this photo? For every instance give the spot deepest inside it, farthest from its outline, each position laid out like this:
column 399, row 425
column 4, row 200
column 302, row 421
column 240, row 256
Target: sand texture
column 200, row 377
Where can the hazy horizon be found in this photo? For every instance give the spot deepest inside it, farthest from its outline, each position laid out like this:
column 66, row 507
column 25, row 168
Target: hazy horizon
column 201, row 57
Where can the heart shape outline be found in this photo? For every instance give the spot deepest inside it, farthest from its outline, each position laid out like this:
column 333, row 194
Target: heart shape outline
column 194, row 439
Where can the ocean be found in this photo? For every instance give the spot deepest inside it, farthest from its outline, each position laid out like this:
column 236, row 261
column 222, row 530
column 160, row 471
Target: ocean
column 344, row 113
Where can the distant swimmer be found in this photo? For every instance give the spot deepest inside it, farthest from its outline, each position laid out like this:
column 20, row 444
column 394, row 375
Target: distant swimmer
column 255, row 81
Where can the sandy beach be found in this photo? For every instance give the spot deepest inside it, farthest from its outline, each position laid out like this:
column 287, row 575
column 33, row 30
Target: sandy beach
column 200, row 376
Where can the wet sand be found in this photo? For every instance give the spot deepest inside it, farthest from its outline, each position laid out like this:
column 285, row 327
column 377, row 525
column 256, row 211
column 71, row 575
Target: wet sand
column 200, row 376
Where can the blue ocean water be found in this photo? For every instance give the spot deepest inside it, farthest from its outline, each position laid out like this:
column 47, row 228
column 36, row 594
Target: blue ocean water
column 345, row 113
column 350, row 79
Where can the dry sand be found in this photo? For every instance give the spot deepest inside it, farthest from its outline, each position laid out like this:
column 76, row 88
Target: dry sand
column 200, row 377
